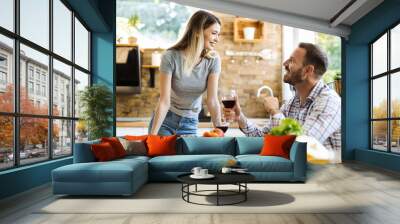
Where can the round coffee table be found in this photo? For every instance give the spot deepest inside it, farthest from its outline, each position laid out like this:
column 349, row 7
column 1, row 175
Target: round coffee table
column 238, row 179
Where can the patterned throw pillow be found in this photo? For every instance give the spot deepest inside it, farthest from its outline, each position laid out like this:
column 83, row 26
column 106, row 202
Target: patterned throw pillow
column 134, row 147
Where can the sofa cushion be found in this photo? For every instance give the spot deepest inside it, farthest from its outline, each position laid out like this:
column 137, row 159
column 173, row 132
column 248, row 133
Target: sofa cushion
column 103, row 152
column 249, row 145
column 277, row 145
column 161, row 145
column 116, row 145
column 134, row 147
column 118, row 177
column 93, row 172
column 83, row 152
column 136, row 137
column 257, row 163
column 185, row 163
column 112, row 171
column 204, row 145
column 132, row 158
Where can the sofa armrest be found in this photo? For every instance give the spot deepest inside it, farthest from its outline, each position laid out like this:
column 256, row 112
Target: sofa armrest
column 298, row 155
column 83, row 152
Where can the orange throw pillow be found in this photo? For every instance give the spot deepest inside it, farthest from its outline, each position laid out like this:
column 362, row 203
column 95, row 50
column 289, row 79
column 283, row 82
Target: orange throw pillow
column 135, row 138
column 161, row 145
column 277, row 145
column 116, row 145
column 103, row 152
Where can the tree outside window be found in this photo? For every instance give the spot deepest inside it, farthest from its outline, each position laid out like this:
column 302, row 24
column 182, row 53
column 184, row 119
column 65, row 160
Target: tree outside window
column 332, row 46
column 156, row 22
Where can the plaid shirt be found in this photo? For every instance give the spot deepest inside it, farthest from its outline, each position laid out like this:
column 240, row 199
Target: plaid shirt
column 320, row 117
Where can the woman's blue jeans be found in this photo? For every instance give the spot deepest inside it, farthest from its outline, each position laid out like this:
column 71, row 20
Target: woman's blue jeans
column 176, row 125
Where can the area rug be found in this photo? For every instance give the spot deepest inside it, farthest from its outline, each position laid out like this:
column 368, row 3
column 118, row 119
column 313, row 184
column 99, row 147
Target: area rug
column 167, row 198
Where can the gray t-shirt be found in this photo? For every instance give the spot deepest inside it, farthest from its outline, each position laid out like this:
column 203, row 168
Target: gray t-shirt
column 187, row 89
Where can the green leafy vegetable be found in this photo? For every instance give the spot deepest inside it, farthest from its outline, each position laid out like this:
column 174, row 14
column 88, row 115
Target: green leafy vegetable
column 288, row 126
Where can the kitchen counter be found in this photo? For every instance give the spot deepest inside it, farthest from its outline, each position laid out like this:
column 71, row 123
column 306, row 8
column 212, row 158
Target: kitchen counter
column 139, row 126
column 144, row 122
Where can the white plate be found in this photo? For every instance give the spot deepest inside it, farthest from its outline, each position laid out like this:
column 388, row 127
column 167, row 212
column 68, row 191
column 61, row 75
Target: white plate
column 208, row 176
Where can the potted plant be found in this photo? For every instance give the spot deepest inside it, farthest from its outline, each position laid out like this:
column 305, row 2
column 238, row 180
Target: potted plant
column 280, row 139
column 333, row 78
column 338, row 83
column 133, row 23
column 96, row 104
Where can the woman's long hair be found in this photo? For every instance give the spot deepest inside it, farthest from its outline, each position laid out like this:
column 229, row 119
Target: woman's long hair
column 192, row 41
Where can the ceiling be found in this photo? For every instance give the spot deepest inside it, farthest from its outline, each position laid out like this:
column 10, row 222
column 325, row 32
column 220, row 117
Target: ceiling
column 327, row 16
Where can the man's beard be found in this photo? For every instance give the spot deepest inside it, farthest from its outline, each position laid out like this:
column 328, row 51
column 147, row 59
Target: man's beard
column 293, row 78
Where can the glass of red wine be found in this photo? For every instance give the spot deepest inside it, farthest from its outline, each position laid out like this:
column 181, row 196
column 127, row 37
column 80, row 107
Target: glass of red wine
column 229, row 99
column 223, row 126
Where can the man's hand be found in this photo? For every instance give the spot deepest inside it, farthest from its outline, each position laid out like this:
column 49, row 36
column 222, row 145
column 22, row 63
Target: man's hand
column 271, row 105
column 233, row 114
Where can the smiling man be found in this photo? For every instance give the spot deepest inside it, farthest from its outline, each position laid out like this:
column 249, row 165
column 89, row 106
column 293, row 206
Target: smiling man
column 315, row 105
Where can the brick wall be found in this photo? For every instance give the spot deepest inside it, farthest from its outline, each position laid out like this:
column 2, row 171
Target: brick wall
column 243, row 73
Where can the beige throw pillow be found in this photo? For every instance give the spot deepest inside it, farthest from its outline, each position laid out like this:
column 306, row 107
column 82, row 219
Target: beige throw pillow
column 134, row 147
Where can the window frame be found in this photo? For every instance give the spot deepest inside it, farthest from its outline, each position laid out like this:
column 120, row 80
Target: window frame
column 3, row 74
column 388, row 74
column 16, row 114
column 5, row 58
column 3, row 71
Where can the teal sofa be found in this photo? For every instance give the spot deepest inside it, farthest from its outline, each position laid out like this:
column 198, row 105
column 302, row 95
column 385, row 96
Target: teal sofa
column 125, row 176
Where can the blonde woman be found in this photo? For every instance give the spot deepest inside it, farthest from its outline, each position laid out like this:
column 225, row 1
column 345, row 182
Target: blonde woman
column 188, row 69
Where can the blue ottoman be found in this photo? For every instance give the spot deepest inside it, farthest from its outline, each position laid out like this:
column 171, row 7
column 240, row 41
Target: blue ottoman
column 118, row 177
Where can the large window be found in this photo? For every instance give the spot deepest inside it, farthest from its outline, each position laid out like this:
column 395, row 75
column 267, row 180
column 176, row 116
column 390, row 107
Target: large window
column 81, row 45
column 385, row 96
column 7, row 14
column 154, row 23
column 40, row 80
column 34, row 23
